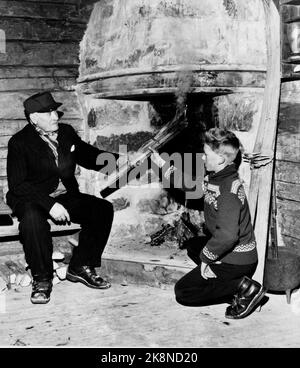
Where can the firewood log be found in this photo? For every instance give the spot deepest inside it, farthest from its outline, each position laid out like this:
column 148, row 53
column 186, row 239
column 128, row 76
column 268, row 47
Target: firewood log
column 164, row 135
column 19, row 278
column 3, row 285
column 61, row 272
column 57, row 256
column 26, row 280
column 55, row 280
column 12, row 278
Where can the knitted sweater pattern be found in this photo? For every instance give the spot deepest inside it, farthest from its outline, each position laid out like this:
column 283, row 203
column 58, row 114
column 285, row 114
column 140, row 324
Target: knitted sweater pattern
column 227, row 220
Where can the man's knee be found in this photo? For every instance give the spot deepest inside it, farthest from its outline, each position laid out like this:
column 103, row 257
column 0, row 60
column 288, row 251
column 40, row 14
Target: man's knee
column 32, row 214
column 189, row 298
column 178, row 290
column 109, row 207
column 180, row 296
column 103, row 208
column 190, row 295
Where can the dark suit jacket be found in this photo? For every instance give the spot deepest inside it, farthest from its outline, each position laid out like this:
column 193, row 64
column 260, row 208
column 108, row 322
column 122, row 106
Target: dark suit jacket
column 31, row 169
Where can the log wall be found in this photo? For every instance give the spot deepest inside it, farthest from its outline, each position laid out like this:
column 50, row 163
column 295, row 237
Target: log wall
column 41, row 53
column 287, row 169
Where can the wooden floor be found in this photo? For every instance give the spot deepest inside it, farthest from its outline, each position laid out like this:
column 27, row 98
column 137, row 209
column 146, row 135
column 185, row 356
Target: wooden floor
column 132, row 316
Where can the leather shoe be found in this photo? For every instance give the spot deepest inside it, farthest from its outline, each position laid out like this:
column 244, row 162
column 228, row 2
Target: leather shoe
column 248, row 296
column 41, row 291
column 87, row 275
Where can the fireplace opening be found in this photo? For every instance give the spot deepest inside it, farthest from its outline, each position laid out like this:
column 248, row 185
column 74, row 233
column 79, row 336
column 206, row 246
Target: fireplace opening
column 171, row 204
column 201, row 116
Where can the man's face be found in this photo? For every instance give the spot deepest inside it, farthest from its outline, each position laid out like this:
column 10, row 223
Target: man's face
column 212, row 160
column 48, row 121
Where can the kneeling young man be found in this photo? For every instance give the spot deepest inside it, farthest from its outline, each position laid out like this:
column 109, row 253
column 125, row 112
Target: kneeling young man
column 227, row 257
column 40, row 168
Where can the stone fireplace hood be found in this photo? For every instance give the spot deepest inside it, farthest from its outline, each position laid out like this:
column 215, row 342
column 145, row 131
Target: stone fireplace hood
column 141, row 49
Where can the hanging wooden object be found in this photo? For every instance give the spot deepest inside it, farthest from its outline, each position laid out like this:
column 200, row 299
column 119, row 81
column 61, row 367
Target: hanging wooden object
column 261, row 177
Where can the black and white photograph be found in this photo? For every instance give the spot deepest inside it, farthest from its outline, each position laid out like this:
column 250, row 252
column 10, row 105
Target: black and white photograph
column 149, row 177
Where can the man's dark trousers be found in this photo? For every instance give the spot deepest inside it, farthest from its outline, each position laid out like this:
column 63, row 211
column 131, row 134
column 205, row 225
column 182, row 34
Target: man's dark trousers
column 95, row 215
column 194, row 291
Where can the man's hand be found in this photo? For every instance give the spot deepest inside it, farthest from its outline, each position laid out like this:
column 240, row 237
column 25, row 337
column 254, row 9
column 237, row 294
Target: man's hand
column 123, row 160
column 59, row 213
column 206, row 271
column 155, row 157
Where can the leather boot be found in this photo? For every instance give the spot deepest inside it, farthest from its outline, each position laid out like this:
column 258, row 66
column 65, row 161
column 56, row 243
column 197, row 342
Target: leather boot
column 249, row 294
column 87, row 275
column 41, row 291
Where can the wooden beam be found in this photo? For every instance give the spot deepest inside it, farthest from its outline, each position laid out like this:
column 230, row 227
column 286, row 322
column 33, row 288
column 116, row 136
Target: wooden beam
column 289, row 217
column 3, row 142
column 10, row 72
column 2, row 167
column 261, row 178
column 23, row 84
column 37, row 9
column 288, row 109
column 41, row 30
column 288, row 139
column 288, row 147
column 291, row 242
column 10, row 127
column 3, row 154
column 242, row 68
column 3, row 185
column 287, row 171
column 133, row 85
column 147, row 94
column 73, row 2
column 40, row 54
column 192, row 68
column 12, row 104
column 290, row 191
column 290, row 93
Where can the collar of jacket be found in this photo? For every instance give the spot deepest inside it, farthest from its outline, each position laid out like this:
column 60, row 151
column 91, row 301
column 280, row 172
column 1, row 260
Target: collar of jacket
column 227, row 172
column 36, row 132
column 36, row 143
column 43, row 132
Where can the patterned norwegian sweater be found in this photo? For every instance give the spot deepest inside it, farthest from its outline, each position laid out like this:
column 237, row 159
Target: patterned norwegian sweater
column 227, row 219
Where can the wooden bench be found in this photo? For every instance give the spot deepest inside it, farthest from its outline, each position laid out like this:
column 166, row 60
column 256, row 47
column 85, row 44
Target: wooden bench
column 13, row 230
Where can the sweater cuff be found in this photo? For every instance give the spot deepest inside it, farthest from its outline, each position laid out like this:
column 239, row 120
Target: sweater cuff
column 169, row 172
column 207, row 256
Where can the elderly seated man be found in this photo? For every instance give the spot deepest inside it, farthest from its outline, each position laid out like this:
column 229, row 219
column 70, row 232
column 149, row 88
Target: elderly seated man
column 40, row 168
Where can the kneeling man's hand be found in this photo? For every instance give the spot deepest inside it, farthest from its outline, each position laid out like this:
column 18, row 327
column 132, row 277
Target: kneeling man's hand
column 156, row 158
column 206, row 271
column 59, row 213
